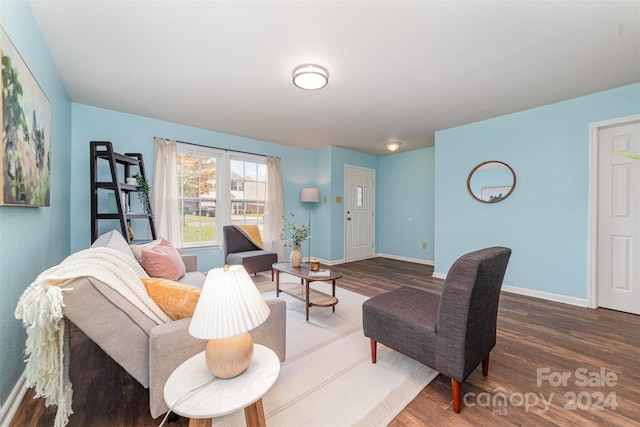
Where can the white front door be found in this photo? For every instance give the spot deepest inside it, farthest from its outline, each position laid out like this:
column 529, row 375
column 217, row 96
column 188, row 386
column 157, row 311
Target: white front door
column 359, row 214
column 618, row 244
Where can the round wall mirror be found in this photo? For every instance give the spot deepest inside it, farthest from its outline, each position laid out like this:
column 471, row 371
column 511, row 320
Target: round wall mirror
column 491, row 181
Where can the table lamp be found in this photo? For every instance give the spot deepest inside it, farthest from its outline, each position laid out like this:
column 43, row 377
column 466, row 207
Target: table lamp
column 229, row 306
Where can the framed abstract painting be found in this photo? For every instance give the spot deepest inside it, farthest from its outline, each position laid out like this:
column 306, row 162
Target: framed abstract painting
column 25, row 149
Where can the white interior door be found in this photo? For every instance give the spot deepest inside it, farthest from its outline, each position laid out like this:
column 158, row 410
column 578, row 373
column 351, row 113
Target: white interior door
column 618, row 244
column 359, row 214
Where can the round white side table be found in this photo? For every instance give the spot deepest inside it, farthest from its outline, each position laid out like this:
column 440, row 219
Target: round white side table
column 192, row 391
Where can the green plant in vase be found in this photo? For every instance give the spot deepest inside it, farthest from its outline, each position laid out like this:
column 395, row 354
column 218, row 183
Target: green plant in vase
column 292, row 236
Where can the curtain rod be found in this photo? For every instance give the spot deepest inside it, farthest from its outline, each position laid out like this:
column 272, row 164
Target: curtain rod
column 218, row 148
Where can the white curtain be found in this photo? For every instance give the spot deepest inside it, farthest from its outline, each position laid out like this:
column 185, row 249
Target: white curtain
column 273, row 209
column 165, row 198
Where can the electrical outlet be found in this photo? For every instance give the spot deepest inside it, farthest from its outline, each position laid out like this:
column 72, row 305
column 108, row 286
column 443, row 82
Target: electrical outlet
column 424, row 245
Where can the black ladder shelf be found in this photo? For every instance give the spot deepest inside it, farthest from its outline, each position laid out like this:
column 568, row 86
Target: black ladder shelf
column 103, row 150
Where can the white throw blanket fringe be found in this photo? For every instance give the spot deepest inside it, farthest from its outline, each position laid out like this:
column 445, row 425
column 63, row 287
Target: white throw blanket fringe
column 40, row 309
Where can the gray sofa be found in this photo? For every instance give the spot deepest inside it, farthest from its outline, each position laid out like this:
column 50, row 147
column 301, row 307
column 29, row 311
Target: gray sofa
column 147, row 351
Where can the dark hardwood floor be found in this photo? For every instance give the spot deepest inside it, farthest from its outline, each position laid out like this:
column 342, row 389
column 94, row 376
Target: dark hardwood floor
column 589, row 347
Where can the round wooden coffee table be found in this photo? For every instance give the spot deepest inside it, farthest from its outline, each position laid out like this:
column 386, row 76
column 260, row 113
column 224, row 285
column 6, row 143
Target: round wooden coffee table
column 192, row 391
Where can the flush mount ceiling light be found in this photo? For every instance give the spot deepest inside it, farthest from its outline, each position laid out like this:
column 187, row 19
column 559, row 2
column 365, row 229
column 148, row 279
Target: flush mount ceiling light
column 392, row 145
column 310, row 77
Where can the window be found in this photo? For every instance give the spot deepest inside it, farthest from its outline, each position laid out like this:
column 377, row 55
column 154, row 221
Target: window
column 248, row 190
column 218, row 188
column 197, row 173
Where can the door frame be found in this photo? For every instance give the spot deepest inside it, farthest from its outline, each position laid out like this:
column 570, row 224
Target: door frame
column 344, row 210
column 594, row 141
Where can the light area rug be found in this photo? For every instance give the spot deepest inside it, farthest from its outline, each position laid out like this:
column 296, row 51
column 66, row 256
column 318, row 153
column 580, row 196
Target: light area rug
column 327, row 379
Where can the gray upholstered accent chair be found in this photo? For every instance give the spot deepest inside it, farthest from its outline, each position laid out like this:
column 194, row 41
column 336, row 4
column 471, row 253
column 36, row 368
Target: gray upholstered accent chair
column 452, row 332
column 240, row 249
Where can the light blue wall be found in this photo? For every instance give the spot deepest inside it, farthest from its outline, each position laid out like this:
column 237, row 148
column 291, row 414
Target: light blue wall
column 406, row 204
column 131, row 133
column 544, row 221
column 321, row 220
column 32, row 239
column 328, row 216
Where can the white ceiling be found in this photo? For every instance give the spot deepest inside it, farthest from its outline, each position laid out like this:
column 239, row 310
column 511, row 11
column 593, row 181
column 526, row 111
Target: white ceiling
column 398, row 70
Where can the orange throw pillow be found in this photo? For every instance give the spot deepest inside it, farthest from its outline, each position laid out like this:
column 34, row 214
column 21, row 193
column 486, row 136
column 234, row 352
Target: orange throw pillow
column 178, row 301
column 164, row 261
column 253, row 232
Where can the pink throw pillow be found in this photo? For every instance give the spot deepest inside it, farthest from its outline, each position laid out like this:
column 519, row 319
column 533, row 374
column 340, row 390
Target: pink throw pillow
column 163, row 261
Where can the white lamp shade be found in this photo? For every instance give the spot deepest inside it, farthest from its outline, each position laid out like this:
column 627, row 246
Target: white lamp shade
column 229, row 304
column 310, row 195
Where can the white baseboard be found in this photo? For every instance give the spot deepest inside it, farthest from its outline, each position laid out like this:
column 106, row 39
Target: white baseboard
column 10, row 407
column 401, row 258
column 580, row 302
column 535, row 294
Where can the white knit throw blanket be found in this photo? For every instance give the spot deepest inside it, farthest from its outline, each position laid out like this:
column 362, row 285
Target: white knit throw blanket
column 40, row 309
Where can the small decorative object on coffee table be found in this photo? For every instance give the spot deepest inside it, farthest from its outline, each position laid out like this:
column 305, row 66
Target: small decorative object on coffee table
column 302, row 291
column 191, row 390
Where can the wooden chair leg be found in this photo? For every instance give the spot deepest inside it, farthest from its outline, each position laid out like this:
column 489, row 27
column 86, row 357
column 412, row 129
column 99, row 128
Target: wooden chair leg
column 374, row 351
column 485, row 366
column 456, row 393
column 254, row 415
